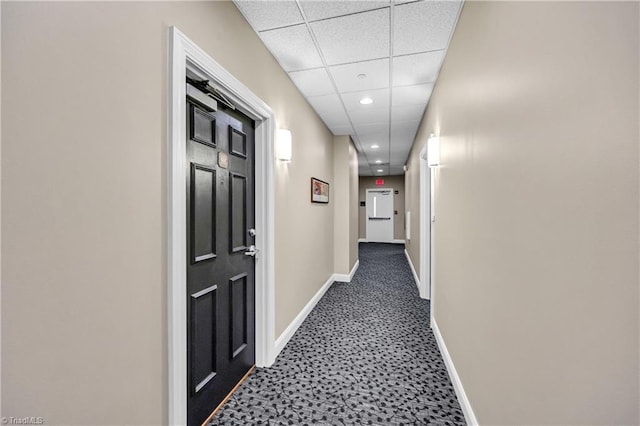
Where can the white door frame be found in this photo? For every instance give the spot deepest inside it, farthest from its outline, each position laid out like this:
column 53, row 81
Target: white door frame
column 425, row 227
column 183, row 55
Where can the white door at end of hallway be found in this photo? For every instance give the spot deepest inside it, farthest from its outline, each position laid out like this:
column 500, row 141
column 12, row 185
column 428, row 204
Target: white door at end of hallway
column 380, row 215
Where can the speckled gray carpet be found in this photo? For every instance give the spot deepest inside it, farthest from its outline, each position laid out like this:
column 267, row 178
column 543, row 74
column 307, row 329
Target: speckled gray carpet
column 365, row 355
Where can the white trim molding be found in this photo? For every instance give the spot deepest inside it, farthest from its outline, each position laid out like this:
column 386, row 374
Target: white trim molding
column 288, row 333
column 185, row 55
column 469, row 415
column 425, row 188
column 344, row 278
column 413, row 270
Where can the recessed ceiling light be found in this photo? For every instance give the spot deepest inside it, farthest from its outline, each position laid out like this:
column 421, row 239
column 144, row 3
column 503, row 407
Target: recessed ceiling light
column 375, row 146
column 361, row 76
column 378, row 161
column 366, row 100
column 380, row 170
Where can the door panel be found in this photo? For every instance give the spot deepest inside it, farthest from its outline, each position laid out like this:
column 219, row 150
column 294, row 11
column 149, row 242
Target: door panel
column 203, row 213
column 237, row 142
column 380, row 215
column 203, row 337
column 220, row 277
column 238, row 314
column 202, row 126
column 237, row 212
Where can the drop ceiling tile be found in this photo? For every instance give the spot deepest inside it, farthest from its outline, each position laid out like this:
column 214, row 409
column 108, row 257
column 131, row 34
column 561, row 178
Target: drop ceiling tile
column 378, row 160
column 325, row 103
column 403, row 145
column 404, row 127
column 411, row 95
column 372, row 128
column 423, row 26
column 313, row 82
column 335, row 120
column 396, row 170
column 354, row 38
column 330, row 109
column 381, row 140
column 378, row 155
column 407, row 113
column 401, row 126
column 341, row 130
column 403, row 136
column 399, row 153
column 264, row 15
column 383, row 158
column 369, row 116
column 399, row 156
column 376, row 75
column 352, row 100
column 417, row 69
column 315, row 10
column 395, row 167
column 292, row 47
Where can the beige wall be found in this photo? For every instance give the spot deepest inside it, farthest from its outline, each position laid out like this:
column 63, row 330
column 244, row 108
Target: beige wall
column 84, row 200
column 344, row 200
column 536, row 232
column 395, row 182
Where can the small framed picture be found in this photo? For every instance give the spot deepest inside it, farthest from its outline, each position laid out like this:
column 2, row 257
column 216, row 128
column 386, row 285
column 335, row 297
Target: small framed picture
column 319, row 191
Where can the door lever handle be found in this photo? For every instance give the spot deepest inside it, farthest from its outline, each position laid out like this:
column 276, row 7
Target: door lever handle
column 251, row 251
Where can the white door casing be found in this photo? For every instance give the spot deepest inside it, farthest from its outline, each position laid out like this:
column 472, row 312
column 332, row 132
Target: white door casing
column 426, row 202
column 183, row 55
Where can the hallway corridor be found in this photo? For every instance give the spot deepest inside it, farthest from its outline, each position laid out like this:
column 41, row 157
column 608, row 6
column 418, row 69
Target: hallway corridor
column 365, row 355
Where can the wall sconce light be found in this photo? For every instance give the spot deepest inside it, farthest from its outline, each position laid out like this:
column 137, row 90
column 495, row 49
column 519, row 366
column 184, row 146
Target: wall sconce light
column 433, row 151
column 285, row 149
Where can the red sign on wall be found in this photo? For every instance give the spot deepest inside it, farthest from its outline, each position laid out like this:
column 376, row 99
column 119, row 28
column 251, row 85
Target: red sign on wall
column 379, row 181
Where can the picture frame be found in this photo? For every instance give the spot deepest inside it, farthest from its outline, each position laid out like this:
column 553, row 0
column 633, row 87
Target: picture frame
column 319, row 191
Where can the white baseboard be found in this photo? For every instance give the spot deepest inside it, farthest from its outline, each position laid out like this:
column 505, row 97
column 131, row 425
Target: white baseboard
column 413, row 270
column 364, row 240
column 299, row 319
column 346, row 278
column 469, row 415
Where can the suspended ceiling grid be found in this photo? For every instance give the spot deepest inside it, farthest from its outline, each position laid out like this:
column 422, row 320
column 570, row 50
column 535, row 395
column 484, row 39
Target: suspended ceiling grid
column 340, row 52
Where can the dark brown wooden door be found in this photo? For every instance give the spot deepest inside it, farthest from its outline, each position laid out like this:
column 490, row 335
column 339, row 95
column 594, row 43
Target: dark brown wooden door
column 220, row 272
